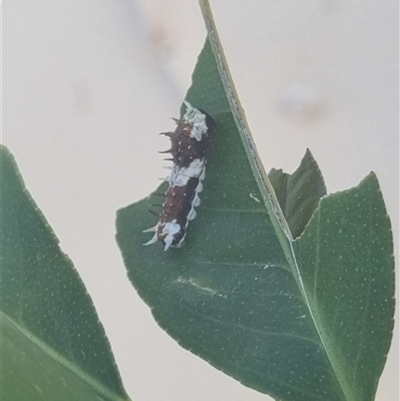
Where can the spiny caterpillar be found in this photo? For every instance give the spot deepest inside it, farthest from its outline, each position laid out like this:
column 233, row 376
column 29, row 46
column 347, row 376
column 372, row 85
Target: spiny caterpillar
column 190, row 143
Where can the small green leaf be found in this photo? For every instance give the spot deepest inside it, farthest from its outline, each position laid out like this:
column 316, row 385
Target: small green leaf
column 298, row 194
column 53, row 345
column 304, row 320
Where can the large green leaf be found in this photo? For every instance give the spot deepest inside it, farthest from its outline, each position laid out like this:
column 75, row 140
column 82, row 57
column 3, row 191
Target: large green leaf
column 304, row 320
column 346, row 265
column 53, row 345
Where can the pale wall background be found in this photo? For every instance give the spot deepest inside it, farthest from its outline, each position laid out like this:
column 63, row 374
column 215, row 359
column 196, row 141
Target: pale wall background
column 88, row 84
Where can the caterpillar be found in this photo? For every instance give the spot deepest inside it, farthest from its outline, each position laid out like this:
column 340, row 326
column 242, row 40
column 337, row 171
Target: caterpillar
column 190, row 144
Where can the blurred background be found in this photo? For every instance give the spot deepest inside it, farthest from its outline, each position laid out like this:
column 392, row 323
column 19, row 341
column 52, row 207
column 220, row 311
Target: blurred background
column 87, row 85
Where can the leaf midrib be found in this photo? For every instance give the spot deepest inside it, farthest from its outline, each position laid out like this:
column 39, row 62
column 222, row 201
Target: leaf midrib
column 277, row 219
column 63, row 361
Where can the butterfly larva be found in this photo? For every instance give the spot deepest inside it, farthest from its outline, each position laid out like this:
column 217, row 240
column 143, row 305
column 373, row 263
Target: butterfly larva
column 190, row 143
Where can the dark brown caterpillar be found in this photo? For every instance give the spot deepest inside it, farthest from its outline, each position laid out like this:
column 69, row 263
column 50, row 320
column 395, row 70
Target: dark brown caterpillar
column 190, row 142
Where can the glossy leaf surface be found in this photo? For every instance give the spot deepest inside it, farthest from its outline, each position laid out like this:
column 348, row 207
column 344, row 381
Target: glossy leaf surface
column 53, row 345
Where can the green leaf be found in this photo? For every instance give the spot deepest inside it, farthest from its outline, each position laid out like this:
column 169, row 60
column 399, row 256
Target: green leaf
column 53, row 345
column 304, row 320
column 345, row 260
column 298, row 194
